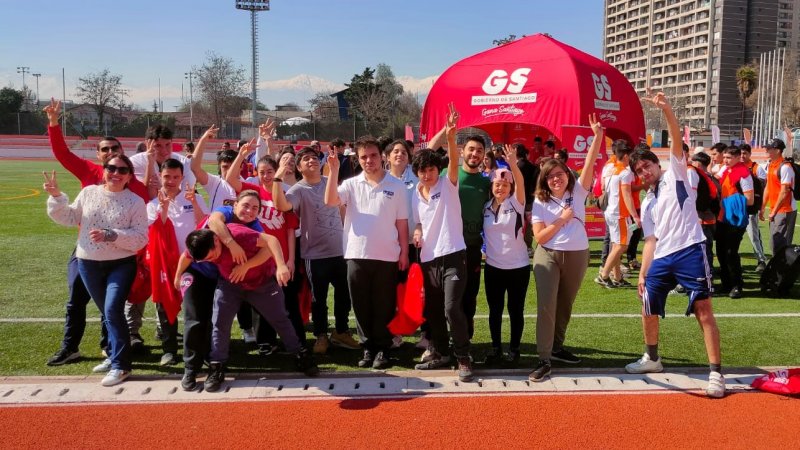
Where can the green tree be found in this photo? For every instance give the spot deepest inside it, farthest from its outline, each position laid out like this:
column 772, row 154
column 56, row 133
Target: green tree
column 10, row 100
column 746, row 84
column 100, row 90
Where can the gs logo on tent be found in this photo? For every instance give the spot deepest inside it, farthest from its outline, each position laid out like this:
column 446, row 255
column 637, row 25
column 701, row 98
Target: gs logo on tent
column 602, row 90
column 499, row 80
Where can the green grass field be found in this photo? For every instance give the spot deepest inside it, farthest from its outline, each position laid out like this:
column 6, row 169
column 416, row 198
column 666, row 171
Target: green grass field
column 34, row 252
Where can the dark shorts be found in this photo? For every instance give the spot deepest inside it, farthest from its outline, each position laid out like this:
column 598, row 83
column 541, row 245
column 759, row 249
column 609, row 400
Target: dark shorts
column 687, row 267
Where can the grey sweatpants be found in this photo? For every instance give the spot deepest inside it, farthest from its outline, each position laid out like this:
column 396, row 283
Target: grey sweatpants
column 445, row 279
column 267, row 299
column 558, row 276
column 782, row 230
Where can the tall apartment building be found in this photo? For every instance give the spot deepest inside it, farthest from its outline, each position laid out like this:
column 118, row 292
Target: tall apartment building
column 692, row 48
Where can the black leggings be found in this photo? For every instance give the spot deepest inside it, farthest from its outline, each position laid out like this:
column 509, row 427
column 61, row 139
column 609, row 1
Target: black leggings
column 497, row 283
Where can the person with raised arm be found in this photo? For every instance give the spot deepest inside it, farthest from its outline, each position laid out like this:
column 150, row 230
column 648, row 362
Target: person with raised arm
column 375, row 243
column 507, row 263
column 219, row 191
column 113, row 228
column 439, row 235
column 562, row 256
column 673, row 253
column 88, row 173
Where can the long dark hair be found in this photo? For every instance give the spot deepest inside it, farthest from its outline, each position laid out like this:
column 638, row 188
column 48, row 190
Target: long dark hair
column 543, row 191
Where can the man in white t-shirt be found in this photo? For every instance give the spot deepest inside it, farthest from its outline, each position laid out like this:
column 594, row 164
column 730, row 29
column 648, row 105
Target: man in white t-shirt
column 674, row 252
column 439, row 235
column 185, row 209
column 779, row 197
column 218, row 190
column 375, row 245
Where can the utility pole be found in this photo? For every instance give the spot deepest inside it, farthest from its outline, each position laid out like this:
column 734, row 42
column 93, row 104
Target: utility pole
column 37, row 75
column 189, row 76
column 23, row 70
column 253, row 6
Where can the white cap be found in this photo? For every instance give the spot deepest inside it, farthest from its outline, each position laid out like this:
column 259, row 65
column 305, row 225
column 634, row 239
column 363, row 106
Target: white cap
column 699, row 150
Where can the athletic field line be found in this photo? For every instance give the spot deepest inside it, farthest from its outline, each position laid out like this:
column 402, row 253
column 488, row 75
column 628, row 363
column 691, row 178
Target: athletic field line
column 477, row 316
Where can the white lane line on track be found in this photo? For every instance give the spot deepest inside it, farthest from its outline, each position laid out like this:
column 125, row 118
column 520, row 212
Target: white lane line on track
column 477, row 316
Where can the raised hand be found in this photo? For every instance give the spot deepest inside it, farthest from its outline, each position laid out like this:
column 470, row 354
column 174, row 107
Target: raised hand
column 452, row 119
column 211, row 132
column 511, row 155
column 191, row 192
column 659, row 100
column 51, row 185
column 53, row 111
column 267, row 129
column 248, row 148
column 597, row 128
column 333, row 160
column 163, row 200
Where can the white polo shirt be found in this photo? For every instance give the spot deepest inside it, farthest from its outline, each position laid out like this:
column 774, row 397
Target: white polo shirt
column 571, row 236
column 371, row 213
column 440, row 217
column 139, row 161
column 180, row 213
column 504, row 236
column 219, row 192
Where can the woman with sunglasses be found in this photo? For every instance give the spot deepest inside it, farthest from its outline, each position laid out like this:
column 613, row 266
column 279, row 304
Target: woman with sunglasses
column 562, row 257
column 113, row 227
column 508, row 268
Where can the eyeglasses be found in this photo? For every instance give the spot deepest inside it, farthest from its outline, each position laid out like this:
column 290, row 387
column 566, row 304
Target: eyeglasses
column 113, row 148
column 122, row 170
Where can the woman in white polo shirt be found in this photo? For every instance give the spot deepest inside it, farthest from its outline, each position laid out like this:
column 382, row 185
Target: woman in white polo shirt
column 508, row 267
column 561, row 259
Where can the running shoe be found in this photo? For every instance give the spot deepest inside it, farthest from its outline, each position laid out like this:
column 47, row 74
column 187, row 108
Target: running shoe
column 63, row 356
column 565, row 356
column 115, row 377
column 645, row 365
column 716, row 385
column 345, row 340
column 542, row 370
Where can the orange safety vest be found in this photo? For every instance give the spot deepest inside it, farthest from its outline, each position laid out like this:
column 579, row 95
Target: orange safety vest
column 774, row 188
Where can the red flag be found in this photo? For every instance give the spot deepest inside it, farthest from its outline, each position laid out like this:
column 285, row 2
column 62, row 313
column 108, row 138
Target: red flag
column 410, row 303
column 163, row 251
column 409, row 133
column 140, row 290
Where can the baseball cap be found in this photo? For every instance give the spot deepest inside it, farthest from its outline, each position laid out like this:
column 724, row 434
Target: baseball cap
column 777, row 143
column 699, row 150
column 502, row 174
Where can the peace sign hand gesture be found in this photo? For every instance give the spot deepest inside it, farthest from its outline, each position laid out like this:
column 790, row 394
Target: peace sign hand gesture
column 659, row 100
column 51, row 185
column 267, row 129
column 452, row 119
column 211, row 132
column 191, row 193
column 333, row 160
column 248, row 148
column 511, row 155
column 53, row 111
column 597, row 128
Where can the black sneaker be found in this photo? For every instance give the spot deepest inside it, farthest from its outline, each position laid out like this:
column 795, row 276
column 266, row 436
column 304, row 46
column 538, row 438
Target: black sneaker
column 137, row 343
column 761, row 267
column 215, row 377
column 565, row 357
column 736, row 293
column 465, row 369
column 381, row 361
column 63, row 356
column 512, row 357
column 305, row 363
column 493, row 358
column 189, row 381
column 267, row 349
column 436, row 361
column 169, row 359
column 366, row 360
column 542, row 370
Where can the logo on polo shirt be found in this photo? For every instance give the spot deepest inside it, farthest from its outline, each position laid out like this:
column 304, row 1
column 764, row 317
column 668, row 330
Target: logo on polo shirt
column 188, row 208
column 436, row 196
column 388, row 193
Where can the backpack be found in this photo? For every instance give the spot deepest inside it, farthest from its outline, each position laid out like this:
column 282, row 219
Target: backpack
column 758, row 191
column 796, row 187
column 782, row 271
column 708, row 192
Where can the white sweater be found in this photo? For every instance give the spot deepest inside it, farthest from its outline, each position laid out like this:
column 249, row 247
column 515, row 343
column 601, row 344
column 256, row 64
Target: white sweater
column 97, row 208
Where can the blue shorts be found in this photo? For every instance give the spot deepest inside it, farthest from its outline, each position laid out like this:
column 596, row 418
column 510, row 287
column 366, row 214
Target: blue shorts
column 687, row 267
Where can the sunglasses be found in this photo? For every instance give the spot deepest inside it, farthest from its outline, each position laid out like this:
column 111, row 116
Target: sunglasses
column 113, row 148
column 122, row 170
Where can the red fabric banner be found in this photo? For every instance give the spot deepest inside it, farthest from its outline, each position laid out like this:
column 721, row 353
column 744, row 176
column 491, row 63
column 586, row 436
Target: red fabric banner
column 162, row 250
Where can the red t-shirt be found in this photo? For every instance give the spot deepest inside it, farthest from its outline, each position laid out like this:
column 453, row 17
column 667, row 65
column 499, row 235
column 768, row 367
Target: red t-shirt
column 247, row 238
column 274, row 222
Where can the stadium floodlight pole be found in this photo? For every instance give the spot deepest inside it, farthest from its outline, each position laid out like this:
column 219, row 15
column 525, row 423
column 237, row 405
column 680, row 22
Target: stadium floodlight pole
column 37, row 75
column 189, row 75
column 23, row 70
column 253, row 6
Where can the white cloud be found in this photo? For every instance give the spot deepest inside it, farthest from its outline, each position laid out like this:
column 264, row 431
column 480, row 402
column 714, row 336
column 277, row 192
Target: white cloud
column 301, row 82
column 417, row 85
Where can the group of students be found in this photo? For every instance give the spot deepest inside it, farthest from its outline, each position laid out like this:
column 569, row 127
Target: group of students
column 359, row 235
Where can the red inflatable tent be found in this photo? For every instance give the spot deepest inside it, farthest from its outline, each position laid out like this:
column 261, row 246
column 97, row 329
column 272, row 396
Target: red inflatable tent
column 534, row 86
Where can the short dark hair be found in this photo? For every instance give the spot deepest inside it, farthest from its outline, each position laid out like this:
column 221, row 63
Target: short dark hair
column 520, row 149
column 172, row 163
column 733, row 151
column 550, row 144
column 640, row 155
column 383, row 141
column 719, row 147
column 337, row 142
column 641, row 146
column 620, row 148
column 199, row 243
column 426, row 158
column 302, row 152
column 111, row 138
column 563, row 155
column 241, row 143
column 367, row 141
column 537, row 139
column 402, row 142
column 746, row 148
column 477, row 138
column 158, row 132
column 225, row 156
column 702, row 158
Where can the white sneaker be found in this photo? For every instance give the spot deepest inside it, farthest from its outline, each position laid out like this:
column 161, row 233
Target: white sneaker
column 249, row 336
column 716, row 385
column 115, row 376
column 427, row 355
column 397, row 341
column 104, row 366
column 645, row 365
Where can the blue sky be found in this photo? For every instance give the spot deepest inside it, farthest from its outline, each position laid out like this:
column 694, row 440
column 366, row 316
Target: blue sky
column 305, row 45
